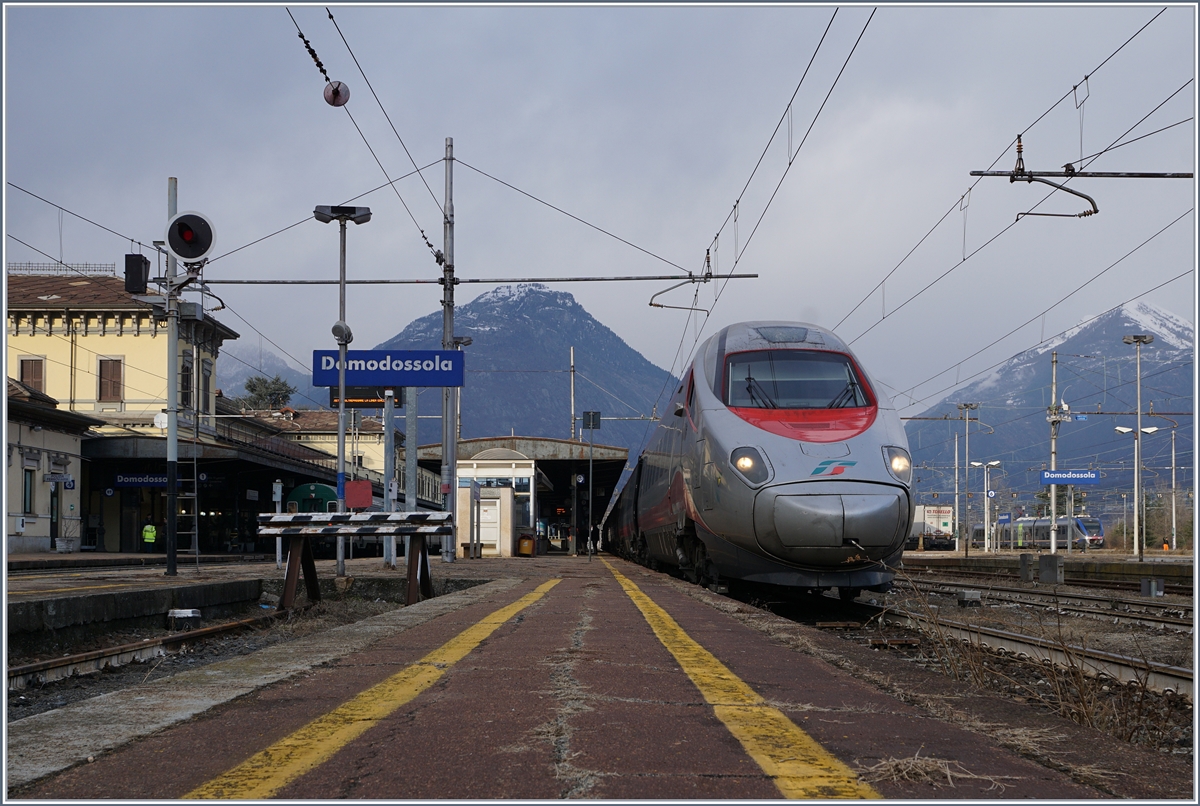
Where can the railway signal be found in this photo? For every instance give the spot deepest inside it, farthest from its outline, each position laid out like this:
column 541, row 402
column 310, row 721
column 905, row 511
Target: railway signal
column 190, row 237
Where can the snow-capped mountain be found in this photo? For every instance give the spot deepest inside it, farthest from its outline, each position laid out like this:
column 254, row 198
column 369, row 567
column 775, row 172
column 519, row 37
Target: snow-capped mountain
column 1097, row 380
column 518, row 364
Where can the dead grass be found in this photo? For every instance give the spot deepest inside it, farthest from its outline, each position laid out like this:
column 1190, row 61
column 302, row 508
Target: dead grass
column 936, row 772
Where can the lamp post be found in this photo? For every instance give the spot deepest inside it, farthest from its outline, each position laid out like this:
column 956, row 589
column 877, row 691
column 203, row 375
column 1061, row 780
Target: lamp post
column 1124, row 517
column 1138, row 339
column 1174, row 425
column 965, row 408
column 987, row 523
column 343, row 336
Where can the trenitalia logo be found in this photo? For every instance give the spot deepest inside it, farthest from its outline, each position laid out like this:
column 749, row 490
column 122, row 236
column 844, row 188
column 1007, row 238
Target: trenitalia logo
column 390, row 368
column 831, row 467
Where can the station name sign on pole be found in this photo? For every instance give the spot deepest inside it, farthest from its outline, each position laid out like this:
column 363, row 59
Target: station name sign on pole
column 390, row 368
column 1070, row 477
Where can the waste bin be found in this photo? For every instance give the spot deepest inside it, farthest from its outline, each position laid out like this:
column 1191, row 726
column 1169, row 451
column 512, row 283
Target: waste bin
column 543, row 545
column 525, row 546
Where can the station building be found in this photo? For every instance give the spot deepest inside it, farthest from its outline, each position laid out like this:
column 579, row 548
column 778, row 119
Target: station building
column 76, row 336
column 530, row 486
column 44, row 460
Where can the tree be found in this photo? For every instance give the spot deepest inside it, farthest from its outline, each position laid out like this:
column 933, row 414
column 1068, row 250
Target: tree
column 268, row 393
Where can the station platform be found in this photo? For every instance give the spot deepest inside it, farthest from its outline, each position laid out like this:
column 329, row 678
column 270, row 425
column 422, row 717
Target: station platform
column 565, row 677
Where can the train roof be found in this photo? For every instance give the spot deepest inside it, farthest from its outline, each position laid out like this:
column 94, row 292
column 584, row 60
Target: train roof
column 772, row 334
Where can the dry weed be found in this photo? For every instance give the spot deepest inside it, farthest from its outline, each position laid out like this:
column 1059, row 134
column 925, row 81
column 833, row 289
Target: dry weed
column 927, row 770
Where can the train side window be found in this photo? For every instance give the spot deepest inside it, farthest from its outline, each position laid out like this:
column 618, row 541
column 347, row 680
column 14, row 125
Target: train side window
column 293, row 507
column 331, row 506
column 691, row 388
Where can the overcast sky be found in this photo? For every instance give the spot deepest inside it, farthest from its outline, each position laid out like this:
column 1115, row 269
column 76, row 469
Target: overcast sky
column 647, row 123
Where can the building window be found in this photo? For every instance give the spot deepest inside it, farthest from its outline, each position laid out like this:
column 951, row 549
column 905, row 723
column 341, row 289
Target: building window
column 185, row 383
column 27, row 492
column 206, row 370
column 32, row 373
column 111, row 386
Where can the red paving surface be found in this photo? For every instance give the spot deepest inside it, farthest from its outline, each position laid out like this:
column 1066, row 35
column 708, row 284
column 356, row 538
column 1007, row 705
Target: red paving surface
column 574, row 697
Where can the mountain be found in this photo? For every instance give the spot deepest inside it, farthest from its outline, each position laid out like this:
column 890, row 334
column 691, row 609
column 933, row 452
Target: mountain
column 1097, row 379
column 240, row 361
column 518, row 368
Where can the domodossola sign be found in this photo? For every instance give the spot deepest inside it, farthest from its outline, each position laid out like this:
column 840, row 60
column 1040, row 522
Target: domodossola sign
column 390, row 368
column 1070, row 477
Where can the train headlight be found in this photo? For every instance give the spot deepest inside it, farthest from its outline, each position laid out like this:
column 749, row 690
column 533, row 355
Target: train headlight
column 899, row 463
column 751, row 464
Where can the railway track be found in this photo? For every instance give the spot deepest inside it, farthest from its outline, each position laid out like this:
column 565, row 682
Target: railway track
column 47, row 671
column 1155, row 676
column 1105, row 584
column 828, row 612
column 1164, row 615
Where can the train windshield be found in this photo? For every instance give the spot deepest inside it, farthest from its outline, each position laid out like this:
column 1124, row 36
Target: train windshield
column 1091, row 526
column 793, row 379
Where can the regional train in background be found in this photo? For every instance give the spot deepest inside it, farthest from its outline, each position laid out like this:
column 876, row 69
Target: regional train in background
column 1079, row 531
column 778, row 461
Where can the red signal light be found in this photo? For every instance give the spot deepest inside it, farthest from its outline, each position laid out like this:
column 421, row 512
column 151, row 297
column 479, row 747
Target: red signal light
column 189, row 237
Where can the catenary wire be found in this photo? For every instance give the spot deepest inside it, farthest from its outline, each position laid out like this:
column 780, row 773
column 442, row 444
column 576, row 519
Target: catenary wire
column 1061, row 333
column 158, row 377
column 367, row 143
column 1076, row 290
column 382, row 109
column 731, row 214
column 569, row 215
column 958, row 201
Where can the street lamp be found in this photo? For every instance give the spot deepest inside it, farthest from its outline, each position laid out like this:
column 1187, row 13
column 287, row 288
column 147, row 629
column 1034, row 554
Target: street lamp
column 1137, row 490
column 342, row 334
column 1138, row 339
column 965, row 410
column 987, row 523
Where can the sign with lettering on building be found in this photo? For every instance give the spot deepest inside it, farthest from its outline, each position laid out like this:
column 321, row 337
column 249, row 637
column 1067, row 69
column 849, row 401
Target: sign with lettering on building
column 390, row 368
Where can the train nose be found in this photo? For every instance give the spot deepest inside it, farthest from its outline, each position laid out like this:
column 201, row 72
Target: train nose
column 804, row 516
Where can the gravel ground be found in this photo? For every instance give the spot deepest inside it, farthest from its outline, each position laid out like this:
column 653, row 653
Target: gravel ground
column 1130, row 713
column 325, row 615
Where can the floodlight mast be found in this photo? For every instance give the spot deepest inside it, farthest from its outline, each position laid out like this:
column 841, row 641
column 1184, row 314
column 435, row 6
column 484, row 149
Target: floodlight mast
column 1138, row 339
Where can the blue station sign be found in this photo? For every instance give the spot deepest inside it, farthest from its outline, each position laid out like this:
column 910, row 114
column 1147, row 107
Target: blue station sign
column 390, row 368
column 1070, row 477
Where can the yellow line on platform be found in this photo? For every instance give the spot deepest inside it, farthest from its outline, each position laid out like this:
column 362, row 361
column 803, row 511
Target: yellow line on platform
column 266, row 772
column 796, row 762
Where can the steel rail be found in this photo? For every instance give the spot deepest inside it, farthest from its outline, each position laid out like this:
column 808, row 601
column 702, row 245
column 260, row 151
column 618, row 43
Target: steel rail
column 1155, row 676
column 47, row 671
column 1112, row 602
column 1110, row 584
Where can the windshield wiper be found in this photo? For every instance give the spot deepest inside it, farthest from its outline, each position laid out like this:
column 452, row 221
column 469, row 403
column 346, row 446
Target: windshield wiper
column 761, row 396
column 846, row 398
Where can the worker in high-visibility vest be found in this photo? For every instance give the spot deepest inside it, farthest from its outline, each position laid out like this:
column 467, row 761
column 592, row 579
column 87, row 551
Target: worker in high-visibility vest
column 149, row 535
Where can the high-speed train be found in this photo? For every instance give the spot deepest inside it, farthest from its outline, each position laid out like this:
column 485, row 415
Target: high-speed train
column 777, row 461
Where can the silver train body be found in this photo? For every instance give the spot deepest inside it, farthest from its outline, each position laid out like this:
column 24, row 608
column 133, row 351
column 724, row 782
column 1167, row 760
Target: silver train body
column 777, row 461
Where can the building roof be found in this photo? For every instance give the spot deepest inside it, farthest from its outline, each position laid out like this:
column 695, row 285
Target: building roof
column 316, row 421
column 90, row 292
column 539, row 449
column 29, row 405
column 96, row 291
column 27, row 394
column 499, row 453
